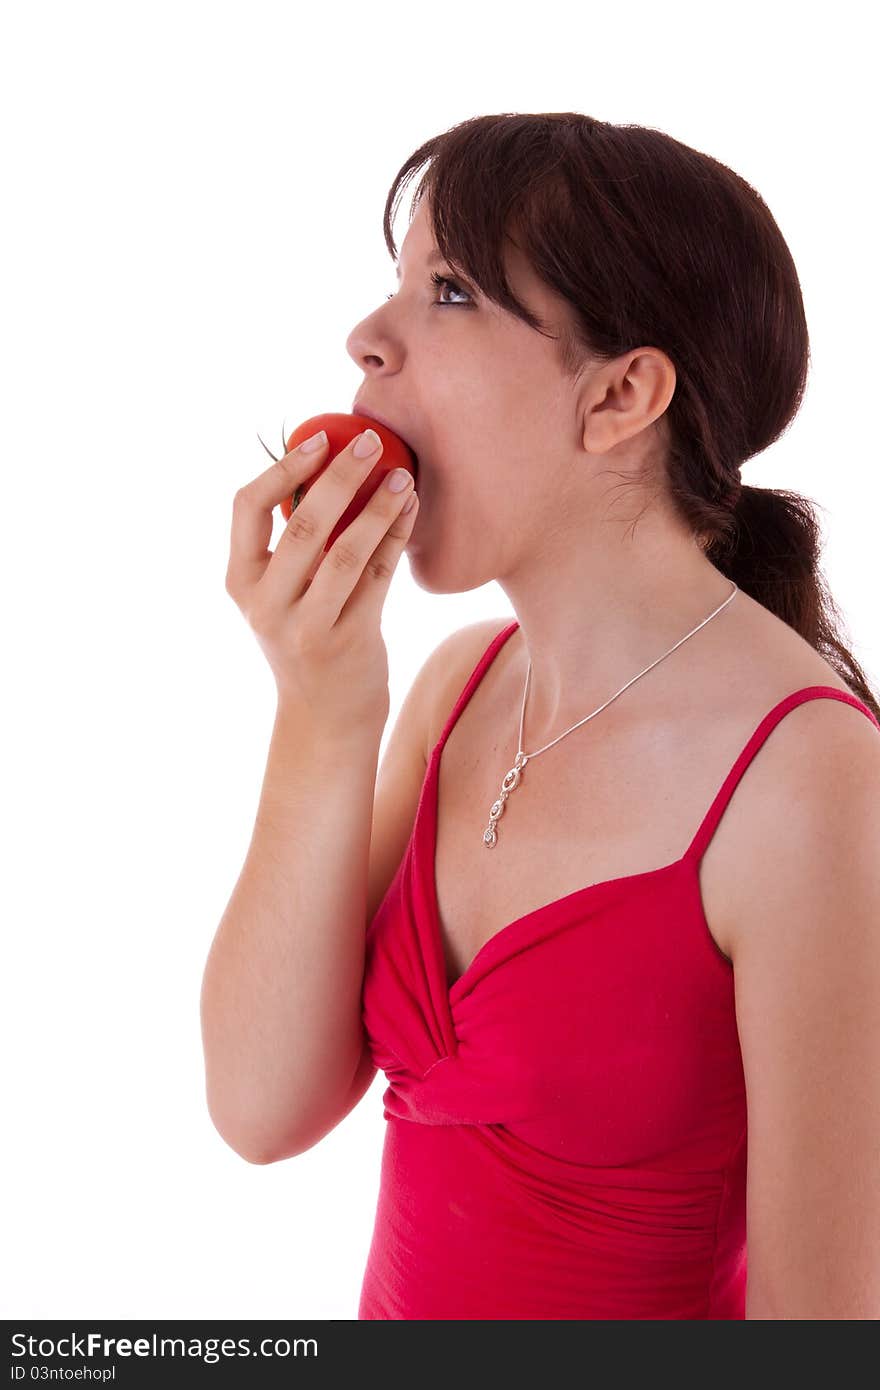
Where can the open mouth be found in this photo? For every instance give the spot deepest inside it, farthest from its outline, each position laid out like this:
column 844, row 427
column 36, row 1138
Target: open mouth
column 368, row 414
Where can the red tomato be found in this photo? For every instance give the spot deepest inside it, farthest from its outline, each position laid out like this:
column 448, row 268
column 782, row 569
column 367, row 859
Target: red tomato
column 341, row 429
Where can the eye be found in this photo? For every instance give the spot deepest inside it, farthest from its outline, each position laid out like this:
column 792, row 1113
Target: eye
column 439, row 281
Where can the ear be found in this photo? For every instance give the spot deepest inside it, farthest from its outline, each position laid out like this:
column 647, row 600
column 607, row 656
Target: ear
column 625, row 396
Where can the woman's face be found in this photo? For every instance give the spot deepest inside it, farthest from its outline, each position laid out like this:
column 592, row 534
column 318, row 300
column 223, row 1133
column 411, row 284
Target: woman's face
column 487, row 407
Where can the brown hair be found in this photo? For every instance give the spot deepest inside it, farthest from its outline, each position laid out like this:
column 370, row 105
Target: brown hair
column 652, row 242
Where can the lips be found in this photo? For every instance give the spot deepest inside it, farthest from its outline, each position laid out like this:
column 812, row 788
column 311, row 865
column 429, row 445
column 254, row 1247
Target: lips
column 359, row 409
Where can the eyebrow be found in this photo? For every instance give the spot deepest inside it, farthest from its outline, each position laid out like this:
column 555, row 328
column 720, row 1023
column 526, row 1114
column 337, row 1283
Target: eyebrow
column 434, row 259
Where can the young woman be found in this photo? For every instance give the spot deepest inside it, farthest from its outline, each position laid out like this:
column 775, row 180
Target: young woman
column 621, row 965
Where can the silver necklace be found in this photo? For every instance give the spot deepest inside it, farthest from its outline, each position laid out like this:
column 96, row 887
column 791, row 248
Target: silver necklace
column 513, row 777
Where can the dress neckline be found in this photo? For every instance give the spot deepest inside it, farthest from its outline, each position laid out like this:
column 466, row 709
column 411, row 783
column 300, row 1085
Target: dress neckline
column 510, row 934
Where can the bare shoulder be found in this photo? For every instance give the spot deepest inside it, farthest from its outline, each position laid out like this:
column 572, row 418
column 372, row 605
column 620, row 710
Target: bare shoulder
column 816, row 773
column 818, row 727
column 453, row 661
column 752, row 665
column 822, row 759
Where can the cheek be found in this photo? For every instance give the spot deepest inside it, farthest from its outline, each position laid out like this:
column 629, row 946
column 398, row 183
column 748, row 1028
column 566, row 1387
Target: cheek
column 466, row 435
column 483, row 469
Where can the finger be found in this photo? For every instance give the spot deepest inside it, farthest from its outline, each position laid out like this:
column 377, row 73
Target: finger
column 330, row 495
column 369, row 594
column 252, row 509
column 362, row 559
column 300, row 548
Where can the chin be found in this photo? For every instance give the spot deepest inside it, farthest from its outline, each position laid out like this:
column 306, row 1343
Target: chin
column 441, row 566
column 439, row 574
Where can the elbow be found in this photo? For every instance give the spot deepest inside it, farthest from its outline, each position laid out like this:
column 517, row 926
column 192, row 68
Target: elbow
column 257, row 1149
column 248, row 1146
column 262, row 1144
column 248, row 1152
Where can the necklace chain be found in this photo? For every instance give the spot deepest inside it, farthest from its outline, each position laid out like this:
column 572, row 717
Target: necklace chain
column 512, row 778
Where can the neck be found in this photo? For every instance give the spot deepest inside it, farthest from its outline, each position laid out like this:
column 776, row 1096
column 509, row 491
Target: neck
column 592, row 618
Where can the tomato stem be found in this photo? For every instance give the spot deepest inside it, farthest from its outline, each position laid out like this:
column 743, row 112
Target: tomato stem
column 268, row 450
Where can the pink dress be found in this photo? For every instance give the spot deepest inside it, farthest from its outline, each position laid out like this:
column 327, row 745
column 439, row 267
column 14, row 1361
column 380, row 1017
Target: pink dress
column 566, row 1124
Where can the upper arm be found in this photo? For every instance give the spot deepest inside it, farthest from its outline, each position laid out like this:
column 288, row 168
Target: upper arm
column 402, row 770
column 806, row 957
column 404, row 764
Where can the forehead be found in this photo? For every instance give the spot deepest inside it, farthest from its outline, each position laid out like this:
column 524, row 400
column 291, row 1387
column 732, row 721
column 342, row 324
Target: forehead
column 412, row 257
column 418, row 246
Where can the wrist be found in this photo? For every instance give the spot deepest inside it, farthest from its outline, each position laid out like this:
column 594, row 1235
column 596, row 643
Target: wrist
column 342, row 739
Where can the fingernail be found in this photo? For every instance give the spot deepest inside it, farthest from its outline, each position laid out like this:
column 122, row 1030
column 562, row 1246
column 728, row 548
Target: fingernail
column 366, row 444
column 399, row 479
column 314, row 441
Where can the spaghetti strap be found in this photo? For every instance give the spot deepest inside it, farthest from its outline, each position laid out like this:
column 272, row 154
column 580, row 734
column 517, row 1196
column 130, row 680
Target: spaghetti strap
column 473, row 681
column 698, row 845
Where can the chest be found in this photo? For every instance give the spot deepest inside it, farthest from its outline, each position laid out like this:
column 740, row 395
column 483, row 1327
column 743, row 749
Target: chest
column 601, row 804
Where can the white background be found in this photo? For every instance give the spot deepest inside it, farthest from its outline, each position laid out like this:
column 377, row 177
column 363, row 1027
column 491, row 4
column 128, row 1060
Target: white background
column 193, row 201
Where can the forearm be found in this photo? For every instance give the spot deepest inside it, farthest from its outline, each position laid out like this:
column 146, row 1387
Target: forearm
column 281, row 995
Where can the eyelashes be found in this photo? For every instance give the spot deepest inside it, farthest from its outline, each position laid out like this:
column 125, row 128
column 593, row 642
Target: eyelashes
column 439, row 281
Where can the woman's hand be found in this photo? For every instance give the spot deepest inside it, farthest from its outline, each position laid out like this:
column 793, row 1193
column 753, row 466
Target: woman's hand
column 318, row 620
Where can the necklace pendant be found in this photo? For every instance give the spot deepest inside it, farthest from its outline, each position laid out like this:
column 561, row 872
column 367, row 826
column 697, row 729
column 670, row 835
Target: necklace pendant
column 510, row 783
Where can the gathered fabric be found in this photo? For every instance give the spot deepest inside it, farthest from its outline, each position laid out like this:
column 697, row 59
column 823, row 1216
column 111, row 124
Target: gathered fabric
column 566, row 1129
